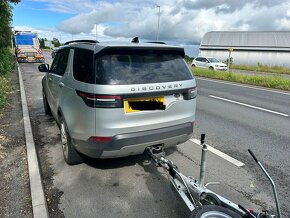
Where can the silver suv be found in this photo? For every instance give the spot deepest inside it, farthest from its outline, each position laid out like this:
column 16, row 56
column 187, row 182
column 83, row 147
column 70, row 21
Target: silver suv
column 115, row 99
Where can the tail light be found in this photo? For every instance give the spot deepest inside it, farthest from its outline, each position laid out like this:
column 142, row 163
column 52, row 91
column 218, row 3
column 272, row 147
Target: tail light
column 101, row 101
column 190, row 94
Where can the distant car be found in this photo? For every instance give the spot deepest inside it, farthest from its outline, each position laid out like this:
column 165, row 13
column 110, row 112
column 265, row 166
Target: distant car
column 54, row 51
column 209, row 62
column 115, row 99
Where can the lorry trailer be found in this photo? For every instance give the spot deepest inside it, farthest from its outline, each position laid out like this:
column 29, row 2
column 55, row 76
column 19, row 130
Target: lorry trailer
column 27, row 47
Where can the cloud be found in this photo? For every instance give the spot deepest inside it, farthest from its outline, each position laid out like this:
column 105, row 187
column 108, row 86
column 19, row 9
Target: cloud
column 181, row 21
column 67, row 6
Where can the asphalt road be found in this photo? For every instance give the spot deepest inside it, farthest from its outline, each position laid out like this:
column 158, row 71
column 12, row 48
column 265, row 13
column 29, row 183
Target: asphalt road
column 238, row 117
column 132, row 187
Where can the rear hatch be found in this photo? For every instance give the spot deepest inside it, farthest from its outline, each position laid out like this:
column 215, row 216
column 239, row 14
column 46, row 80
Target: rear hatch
column 139, row 90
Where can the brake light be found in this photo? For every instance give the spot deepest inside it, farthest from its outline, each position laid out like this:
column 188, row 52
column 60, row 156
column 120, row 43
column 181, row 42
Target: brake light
column 101, row 101
column 100, row 139
column 190, row 94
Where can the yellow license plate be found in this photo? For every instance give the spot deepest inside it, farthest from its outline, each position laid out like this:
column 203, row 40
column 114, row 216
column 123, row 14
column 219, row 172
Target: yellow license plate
column 144, row 104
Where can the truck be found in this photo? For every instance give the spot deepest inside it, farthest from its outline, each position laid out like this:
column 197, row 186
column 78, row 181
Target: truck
column 27, row 47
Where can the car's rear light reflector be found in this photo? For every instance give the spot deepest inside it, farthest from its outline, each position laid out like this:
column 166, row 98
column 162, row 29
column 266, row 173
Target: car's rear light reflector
column 100, row 139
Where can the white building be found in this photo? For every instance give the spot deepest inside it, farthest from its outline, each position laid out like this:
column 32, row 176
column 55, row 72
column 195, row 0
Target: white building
column 249, row 47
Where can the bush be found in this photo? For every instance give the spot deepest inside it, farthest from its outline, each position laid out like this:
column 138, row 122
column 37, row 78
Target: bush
column 7, row 63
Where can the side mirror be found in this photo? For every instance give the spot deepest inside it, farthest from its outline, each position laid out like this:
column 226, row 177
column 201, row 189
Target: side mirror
column 43, row 67
column 206, row 61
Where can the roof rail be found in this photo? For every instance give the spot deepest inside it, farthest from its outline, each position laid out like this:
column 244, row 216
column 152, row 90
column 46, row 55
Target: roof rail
column 163, row 43
column 81, row 41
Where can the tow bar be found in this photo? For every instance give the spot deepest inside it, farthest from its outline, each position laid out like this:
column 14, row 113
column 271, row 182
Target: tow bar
column 201, row 201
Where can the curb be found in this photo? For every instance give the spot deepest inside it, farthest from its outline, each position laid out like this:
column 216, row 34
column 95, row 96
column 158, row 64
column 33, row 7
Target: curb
column 39, row 206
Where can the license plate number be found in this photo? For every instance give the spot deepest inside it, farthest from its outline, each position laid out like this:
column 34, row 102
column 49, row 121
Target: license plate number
column 144, row 104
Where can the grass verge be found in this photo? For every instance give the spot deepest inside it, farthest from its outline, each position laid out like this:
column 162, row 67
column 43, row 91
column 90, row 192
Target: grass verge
column 263, row 68
column 5, row 87
column 275, row 82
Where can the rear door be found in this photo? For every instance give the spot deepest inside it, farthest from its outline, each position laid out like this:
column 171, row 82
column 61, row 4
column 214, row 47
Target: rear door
column 141, row 90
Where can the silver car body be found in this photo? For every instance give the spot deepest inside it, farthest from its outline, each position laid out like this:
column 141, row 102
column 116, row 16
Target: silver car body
column 112, row 132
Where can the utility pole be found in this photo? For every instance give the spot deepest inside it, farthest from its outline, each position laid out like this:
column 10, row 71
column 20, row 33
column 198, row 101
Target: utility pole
column 229, row 60
column 157, row 38
column 96, row 32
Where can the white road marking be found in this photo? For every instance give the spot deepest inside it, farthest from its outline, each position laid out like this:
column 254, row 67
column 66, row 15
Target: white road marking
column 244, row 86
column 248, row 105
column 220, row 154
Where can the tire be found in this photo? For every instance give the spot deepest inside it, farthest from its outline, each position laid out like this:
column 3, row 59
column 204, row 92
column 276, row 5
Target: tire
column 193, row 65
column 211, row 199
column 213, row 211
column 211, row 68
column 70, row 154
column 46, row 106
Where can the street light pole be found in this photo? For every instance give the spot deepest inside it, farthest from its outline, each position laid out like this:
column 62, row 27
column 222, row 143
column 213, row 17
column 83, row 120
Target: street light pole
column 157, row 38
column 96, row 32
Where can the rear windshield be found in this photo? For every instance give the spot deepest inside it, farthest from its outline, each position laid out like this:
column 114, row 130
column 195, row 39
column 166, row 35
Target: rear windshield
column 140, row 67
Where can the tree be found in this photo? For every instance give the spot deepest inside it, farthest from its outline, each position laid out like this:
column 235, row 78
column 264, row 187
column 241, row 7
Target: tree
column 6, row 63
column 14, row 1
column 41, row 43
column 188, row 59
column 5, row 24
column 56, row 42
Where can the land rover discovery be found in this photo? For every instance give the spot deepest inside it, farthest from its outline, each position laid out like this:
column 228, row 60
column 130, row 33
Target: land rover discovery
column 115, row 99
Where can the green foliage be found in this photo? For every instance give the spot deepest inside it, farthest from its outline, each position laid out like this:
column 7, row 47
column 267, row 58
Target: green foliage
column 4, row 89
column 41, row 43
column 14, row 1
column 188, row 59
column 5, row 24
column 56, row 42
column 276, row 82
column 231, row 61
column 263, row 68
column 7, row 62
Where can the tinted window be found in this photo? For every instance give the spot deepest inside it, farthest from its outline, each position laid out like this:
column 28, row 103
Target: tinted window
column 213, row 60
column 198, row 59
column 138, row 67
column 59, row 63
column 83, row 65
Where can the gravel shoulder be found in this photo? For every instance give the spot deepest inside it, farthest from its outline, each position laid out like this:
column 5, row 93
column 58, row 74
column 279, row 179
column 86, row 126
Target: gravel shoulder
column 15, row 199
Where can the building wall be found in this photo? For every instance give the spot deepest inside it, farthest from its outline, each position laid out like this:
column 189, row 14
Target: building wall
column 251, row 57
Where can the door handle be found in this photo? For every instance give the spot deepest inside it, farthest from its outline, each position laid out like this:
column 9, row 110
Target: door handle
column 60, row 84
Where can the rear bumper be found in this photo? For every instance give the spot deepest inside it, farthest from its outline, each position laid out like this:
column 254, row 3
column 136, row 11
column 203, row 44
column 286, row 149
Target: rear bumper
column 21, row 60
column 135, row 143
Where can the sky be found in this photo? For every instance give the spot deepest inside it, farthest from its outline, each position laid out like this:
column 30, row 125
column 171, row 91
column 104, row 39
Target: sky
column 182, row 22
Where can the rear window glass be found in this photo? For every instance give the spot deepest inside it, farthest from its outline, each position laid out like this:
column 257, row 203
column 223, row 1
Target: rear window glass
column 140, row 67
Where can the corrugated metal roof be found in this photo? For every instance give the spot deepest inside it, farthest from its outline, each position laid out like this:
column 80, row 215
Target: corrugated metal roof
column 250, row 40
